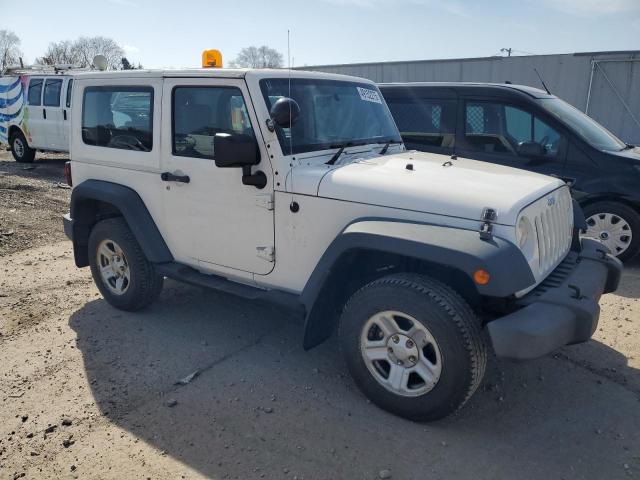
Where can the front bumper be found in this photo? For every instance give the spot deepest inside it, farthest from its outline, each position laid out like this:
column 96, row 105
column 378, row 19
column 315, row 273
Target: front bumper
column 562, row 310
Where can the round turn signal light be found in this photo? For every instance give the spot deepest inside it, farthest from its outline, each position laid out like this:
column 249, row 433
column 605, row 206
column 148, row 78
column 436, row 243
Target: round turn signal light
column 481, row 277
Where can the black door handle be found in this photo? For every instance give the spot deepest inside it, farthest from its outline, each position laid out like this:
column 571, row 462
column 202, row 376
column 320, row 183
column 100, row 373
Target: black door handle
column 64, row 114
column 44, row 113
column 170, row 177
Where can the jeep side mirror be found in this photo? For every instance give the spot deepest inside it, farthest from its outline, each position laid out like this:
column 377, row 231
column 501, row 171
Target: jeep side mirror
column 239, row 150
column 285, row 112
column 235, row 150
column 530, row 150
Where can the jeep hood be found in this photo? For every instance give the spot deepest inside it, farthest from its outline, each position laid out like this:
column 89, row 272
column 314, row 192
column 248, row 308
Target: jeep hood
column 437, row 184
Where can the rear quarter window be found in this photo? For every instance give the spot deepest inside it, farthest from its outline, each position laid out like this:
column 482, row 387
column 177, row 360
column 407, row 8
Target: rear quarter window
column 118, row 117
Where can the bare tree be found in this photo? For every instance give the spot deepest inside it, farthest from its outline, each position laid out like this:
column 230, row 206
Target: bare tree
column 59, row 52
column 9, row 49
column 85, row 48
column 258, row 57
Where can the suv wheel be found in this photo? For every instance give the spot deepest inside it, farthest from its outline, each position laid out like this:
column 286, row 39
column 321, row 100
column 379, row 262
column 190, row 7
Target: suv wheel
column 20, row 148
column 121, row 271
column 616, row 225
column 413, row 346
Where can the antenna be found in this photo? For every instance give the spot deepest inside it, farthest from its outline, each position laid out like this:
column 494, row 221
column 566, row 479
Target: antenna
column 541, row 80
column 291, row 206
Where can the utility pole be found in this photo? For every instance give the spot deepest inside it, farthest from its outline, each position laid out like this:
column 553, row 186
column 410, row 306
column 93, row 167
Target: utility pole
column 508, row 50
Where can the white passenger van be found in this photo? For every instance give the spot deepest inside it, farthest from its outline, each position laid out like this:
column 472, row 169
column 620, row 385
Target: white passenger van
column 35, row 111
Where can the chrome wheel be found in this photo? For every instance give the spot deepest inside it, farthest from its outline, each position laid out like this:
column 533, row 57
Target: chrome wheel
column 114, row 268
column 18, row 147
column 612, row 230
column 401, row 353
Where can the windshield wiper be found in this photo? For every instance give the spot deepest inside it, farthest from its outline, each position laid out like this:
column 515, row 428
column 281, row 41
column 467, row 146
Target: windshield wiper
column 386, row 146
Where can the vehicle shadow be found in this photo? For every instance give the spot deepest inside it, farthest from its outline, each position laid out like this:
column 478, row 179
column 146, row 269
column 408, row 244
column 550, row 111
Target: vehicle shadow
column 48, row 168
column 259, row 405
column 630, row 284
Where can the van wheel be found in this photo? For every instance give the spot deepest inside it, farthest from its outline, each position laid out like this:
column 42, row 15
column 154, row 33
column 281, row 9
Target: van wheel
column 20, row 148
column 121, row 271
column 616, row 225
column 413, row 346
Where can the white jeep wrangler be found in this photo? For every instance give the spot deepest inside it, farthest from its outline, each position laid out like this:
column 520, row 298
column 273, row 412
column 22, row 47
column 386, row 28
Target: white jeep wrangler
column 295, row 187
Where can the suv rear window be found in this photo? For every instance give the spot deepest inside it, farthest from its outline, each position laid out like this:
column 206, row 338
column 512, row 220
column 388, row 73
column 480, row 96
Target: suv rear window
column 118, row 117
column 425, row 124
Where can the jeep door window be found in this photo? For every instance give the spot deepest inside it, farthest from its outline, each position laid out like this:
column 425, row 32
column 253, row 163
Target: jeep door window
column 425, row 124
column 118, row 117
column 588, row 129
column 34, row 97
column 503, row 129
column 201, row 112
column 332, row 113
column 52, row 90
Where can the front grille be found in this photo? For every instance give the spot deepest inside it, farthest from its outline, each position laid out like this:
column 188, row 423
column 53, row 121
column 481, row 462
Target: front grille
column 553, row 220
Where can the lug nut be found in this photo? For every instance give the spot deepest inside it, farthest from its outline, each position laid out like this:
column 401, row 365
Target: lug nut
column 399, row 362
column 390, row 350
column 412, row 359
column 409, row 344
column 396, row 339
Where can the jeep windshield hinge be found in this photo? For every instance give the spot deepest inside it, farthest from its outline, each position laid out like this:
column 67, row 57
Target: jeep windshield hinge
column 489, row 216
column 267, row 253
column 265, row 200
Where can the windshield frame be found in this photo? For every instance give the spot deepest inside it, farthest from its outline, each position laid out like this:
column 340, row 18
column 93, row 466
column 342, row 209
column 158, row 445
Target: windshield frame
column 578, row 117
column 394, row 136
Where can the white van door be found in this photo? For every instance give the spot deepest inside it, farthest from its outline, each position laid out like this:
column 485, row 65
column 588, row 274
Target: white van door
column 213, row 221
column 65, row 133
column 52, row 112
column 34, row 121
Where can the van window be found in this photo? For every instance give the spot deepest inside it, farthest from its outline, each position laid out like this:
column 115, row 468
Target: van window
column 35, row 91
column 69, row 87
column 118, row 117
column 201, row 112
column 425, row 124
column 500, row 129
column 52, row 89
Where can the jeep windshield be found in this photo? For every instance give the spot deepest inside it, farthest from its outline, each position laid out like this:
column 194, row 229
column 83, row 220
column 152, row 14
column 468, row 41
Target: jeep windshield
column 591, row 131
column 333, row 113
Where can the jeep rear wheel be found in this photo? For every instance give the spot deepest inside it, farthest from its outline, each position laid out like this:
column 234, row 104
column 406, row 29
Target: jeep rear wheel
column 20, row 148
column 413, row 346
column 122, row 273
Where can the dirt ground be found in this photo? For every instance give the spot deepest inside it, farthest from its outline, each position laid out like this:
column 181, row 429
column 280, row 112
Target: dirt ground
column 87, row 391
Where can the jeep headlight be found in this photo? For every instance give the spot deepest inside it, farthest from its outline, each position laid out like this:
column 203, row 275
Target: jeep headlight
column 526, row 239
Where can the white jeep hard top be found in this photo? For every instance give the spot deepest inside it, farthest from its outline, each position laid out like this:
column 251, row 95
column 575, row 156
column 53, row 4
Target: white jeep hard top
column 295, row 187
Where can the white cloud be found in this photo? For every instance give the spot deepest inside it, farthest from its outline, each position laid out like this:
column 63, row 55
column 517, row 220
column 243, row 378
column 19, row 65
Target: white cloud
column 449, row 6
column 130, row 49
column 124, row 3
column 593, row 7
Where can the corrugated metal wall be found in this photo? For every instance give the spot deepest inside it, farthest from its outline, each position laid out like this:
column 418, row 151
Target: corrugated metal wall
column 614, row 84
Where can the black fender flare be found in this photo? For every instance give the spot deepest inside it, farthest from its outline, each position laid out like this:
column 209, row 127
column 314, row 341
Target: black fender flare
column 128, row 203
column 450, row 247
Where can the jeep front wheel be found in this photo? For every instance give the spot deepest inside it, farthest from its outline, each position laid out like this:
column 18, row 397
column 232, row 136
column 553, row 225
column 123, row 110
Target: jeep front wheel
column 121, row 271
column 20, row 148
column 413, row 346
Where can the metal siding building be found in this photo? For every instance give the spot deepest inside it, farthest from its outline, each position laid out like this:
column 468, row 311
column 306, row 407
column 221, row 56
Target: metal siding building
column 606, row 85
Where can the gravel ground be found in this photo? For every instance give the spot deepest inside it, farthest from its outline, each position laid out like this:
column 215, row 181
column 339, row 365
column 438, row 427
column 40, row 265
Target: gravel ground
column 87, row 391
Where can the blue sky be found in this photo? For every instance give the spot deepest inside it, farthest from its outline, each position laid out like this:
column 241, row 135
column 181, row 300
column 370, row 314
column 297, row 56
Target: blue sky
column 164, row 33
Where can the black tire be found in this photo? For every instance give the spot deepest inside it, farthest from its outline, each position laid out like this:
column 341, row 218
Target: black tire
column 449, row 319
column 144, row 284
column 628, row 214
column 28, row 153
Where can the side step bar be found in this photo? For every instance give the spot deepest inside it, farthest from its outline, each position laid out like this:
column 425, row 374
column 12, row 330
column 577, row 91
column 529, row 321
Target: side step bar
column 183, row 273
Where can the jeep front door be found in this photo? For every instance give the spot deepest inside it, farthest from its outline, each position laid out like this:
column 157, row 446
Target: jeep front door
column 212, row 219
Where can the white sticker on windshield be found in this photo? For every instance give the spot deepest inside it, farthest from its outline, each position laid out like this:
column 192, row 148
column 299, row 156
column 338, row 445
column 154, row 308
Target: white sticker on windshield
column 369, row 95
